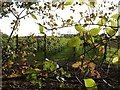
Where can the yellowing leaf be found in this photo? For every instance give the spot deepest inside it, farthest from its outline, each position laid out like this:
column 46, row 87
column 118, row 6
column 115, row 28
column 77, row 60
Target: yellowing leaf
column 23, row 59
column 95, row 31
column 69, row 2
column 102, row 50
column 76, row 65
column 10, row 62
column 119, row 52
column 92, row 66
column 92, row 74
column 115, row 60
column 37, row 69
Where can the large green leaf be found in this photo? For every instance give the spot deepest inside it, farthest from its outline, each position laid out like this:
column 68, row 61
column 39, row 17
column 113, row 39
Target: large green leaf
column 74, row 42
column 114, row 24
column 115, row 16
column 95, row 31
column 102, row 22
column 69, row 2
column 41, row 29
column 79, row 28
column 90, row 84
column 110, row 31
column 33, row 16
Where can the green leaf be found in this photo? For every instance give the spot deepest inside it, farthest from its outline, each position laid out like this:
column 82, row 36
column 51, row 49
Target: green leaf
column 33, row 16
column 102, row 22
column 90, row 84
column 74, row 42
column 115, row 16
column 114, row 24
column 94, row 31
column 48, row 65
column 30, row 71
column 91, row 40
column 41, row 29
column 110, row 31
column 79, row 28
column 69, row 2
column 62, row 71
column 34, row 76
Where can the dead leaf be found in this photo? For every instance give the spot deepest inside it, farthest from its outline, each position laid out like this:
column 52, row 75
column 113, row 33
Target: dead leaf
column 76, row 65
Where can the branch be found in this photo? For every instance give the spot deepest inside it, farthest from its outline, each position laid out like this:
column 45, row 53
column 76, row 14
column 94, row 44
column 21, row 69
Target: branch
column 27, row 14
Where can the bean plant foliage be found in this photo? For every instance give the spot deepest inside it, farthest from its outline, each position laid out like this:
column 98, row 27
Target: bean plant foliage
column 92, row 47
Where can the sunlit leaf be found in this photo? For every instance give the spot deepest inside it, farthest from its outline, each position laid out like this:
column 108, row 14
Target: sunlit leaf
column 82, row 1
column 69, row 2
column 115, row 16
column 114, row 24
column 33, row 16
column 110, row 31
column 95, row 31
column 79, row 28
column 115, row 60
column 102, row 22
column 90, row 84
column 41, row 29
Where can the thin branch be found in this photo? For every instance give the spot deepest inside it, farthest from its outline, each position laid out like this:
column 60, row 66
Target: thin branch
column 79, row 80
column 27, row 14
column 12, row 31
column 22, row 11
column 12, row 13
column 108, row 83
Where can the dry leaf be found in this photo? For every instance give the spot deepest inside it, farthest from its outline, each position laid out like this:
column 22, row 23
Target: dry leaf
column 76, row 65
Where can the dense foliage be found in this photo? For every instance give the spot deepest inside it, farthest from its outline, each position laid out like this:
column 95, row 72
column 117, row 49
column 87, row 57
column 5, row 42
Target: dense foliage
column 81, row 56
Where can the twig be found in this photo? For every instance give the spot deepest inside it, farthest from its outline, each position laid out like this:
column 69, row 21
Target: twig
column 108, row 83
column 78, row 80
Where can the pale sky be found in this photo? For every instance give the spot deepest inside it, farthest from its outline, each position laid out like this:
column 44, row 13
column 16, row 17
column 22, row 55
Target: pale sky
column 28, row 25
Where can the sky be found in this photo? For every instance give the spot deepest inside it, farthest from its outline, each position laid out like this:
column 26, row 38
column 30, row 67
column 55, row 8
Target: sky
column 28, row 25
